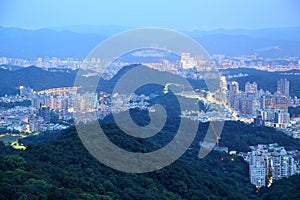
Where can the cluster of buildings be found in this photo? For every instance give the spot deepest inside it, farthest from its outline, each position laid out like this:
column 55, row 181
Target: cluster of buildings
column 17, row 119
column 50, row 109
column 186, row 65
column 25, row 119
column 13, row 99
column 47, row 62
column 247, row 102
column 265, row 108
column 187, row 62
column 36, row 116
column 270, row 162
column 255, row 62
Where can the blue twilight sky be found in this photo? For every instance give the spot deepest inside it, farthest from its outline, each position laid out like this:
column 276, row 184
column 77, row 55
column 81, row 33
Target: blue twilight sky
column 188, row 14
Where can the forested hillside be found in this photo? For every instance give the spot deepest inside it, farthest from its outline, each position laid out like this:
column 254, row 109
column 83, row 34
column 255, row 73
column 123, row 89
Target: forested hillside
column 63, row 168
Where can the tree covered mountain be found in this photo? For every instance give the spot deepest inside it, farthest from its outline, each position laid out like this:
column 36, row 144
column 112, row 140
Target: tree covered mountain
column 40, row 79
column 33, row 77
column 64, row 169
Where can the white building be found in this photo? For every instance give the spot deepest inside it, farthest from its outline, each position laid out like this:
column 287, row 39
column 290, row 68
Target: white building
column 187, row 62
column 269, row 162
column 283, row 165
column 258, row 169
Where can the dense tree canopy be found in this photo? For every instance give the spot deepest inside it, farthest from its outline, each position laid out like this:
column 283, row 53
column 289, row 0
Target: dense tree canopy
column 294, row 111
column 63, row 169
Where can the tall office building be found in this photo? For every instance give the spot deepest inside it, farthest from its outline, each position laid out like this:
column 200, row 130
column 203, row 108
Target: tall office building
column 251, row 87
column 283, row 87
column 222, row 91
column 282, row 117
column 268, row 101
column 283, row 164
column 258, row 167
column 22, row 91
column 269, row 162
column 234, row 88
column 282, row 102
column 25, row 91
column 234, row 95
column 45, row 113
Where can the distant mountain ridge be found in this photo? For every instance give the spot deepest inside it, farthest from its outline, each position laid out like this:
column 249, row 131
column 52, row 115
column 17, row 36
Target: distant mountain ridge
column 21, row 43
column 246, row 45
column 287, row 33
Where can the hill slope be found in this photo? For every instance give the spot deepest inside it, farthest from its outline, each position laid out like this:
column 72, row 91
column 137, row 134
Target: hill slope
column 63, row 168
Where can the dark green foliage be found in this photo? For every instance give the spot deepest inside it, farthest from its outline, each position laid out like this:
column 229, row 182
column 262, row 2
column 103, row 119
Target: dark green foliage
column 287, row 188
column 294, row 111
column 239, row 136
column 4, row 130
column 14, row 161
column 34, row 77
column 63, row 169
column 41, row 138
column 39, row 79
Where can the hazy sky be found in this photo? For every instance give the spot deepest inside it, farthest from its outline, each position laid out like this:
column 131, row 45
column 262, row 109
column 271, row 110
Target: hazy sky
column 187, row 14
